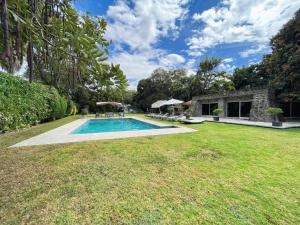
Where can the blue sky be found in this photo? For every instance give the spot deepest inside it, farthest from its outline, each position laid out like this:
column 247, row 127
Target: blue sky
column 148, row 34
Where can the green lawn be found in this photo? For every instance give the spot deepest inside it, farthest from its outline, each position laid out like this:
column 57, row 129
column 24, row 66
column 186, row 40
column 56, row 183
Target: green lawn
column 222, row 174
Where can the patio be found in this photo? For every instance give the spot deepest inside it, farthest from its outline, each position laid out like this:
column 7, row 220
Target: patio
column 285, row 125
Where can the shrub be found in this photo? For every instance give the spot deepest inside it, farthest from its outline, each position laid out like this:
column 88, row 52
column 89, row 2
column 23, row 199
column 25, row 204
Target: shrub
column 84, row 111
column 59, row 105
column 23, row 104
column 274, row 111
column 188, row 111
column 217, row 111
column 170, row 109
column 73, row 108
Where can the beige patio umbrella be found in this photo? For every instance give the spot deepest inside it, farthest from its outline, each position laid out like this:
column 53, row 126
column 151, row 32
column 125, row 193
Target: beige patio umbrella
column 110, row 103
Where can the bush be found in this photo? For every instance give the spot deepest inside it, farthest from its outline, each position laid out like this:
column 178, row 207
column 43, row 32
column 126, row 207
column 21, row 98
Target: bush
column 217, row 111
column 274, row 111
column 23, row 104
column 84, row 111
column 59, row 105
column 188, row 111
column 72, row 108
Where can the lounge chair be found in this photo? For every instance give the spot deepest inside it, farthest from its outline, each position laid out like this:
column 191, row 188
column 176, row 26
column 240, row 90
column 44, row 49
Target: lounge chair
column 109, row 114
column 164, row 117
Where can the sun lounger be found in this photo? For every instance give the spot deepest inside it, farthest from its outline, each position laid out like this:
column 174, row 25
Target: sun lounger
column 109, row 114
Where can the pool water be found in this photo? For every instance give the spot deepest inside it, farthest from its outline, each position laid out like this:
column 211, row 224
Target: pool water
column 111, row 125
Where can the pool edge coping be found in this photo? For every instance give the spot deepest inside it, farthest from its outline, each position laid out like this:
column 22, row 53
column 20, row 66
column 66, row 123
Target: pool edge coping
column 62, row 134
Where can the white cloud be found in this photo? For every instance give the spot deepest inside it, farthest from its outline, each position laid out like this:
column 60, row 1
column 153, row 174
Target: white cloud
column 237, row 21
column 227, row 60
column 226, row 67
column 253, row 51
column 139, row 65
column 139, row 27
column 172, row 60
column 142, row 25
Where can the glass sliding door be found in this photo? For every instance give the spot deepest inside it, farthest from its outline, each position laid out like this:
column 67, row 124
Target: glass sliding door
column 245, row 109
column 290, row 109
column 212, row 107
column 286, row 107
column 205, row 109
column 296, row 109
column 233, row 109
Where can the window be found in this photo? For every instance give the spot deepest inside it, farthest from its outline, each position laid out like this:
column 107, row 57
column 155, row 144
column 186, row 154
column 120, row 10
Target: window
column 239, row 109
column 296, row 109
column 212, row 107
column 245, row 109
column 290, row 109
column 233, row 109
column 286, row 107
column 205, row 109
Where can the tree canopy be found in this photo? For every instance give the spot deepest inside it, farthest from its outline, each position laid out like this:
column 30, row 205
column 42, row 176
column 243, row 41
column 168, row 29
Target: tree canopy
column 283, row 64
column 62, row 48
column 252, row 76
column 166, row 84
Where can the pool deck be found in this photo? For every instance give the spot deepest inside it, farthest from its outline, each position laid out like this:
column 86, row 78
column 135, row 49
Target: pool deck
column 285, row 125
column 63, row 134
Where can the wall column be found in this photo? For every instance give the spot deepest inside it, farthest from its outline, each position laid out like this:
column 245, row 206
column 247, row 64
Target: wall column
column 222, row 105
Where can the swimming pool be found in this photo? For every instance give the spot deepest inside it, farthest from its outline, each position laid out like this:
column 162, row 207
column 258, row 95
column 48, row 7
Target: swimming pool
column 112, row 125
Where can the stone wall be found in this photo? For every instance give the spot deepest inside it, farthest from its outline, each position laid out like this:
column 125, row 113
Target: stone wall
column 261, row 99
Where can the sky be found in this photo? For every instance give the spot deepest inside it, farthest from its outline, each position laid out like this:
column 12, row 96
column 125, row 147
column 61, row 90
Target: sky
column 147, row 34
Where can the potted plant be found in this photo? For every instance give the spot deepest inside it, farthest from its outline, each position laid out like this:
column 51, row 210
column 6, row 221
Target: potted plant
column 217, row 112
column 188, row 114
column 275, row 112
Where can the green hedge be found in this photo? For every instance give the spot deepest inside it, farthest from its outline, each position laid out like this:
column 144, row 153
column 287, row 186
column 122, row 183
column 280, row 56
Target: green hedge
column 23, row 104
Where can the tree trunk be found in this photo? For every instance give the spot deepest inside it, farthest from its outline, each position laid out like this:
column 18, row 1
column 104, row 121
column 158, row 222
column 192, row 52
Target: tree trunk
column 4, row 21
column 19, row 43
column 32, row 8
column 30, row 58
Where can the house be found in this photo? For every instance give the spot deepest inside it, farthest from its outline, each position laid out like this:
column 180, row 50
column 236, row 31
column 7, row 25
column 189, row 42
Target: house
column 244, row 104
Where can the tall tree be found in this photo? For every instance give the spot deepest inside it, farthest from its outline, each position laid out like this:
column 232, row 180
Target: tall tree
column 284, row 61
column 252, row 76
column 62, row 48
column 209, row 79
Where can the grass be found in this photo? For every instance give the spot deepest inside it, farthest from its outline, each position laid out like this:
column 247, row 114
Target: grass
column 222, row 174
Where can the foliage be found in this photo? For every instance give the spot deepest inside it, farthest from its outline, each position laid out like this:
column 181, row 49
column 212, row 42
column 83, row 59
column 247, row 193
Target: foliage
column 73, row 110
column 63, row 48
column 284, row 61
column 274, row 111
column 128, row 96
column 218, row 111
column 164, row 84
column 209, row 79
column 23, row 103
column 84, row 111
column 59, row 105
column 157, row 87
column 170, row 109
column 252, row 76
column 189, row 111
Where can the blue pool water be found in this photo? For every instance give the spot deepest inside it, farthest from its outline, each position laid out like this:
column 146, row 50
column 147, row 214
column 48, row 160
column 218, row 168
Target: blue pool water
column 111, row 125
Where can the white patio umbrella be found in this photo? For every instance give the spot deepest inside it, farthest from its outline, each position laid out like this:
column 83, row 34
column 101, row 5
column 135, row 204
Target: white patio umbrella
column 109, row 103
column 173, row 102
column 158, row 104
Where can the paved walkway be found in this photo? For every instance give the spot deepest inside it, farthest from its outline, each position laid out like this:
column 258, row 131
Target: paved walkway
column 63, row 134
column 285, row 125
